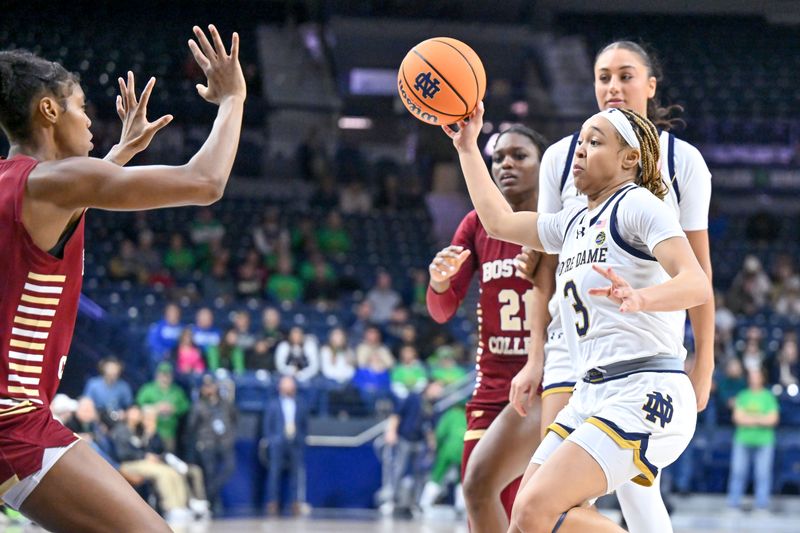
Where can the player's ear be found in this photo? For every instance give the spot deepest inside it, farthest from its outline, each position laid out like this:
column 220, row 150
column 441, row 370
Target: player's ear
column 631, row 158
column 48, row 109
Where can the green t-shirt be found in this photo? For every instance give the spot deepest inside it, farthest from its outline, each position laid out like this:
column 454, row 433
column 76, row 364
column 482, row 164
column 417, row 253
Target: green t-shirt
column 179, row 261
column 151, row 393
column 413, row 376
column 284, row 288
column 448, row 375
column 333, row 240
column 761, row 402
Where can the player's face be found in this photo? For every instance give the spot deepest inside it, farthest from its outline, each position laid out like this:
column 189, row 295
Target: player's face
column 515, row 166
column 598, row 157
column 621, row 80
column 72, row 134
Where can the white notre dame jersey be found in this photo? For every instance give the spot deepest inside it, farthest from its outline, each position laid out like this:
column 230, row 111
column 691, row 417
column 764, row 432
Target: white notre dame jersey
column 621, row 233
column 689, row 194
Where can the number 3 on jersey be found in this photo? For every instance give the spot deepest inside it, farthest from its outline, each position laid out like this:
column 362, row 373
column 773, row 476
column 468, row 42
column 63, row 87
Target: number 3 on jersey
column 582, row 325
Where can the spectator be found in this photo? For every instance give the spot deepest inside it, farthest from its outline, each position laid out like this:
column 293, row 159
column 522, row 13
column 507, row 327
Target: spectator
column 179, row 259
column 372, row 346
column 270, row 237
column 786, row 368
column 450, row 430
column 204, row 333
column 136, row 461
column 782, row 274
column 218, row 284
column 169, row 400
column 251, row 275
column 212, row 426
column 63, row 407
column 788, row 303
column 354, row 199
column 263, row 353
column 724, row 319
column 228, row 355
column 309, row 267
column 245, row 339
column 162, row 338
column 206, row 228
column 285, row 429
column 410, row 374
column 188, row 356
column 124, row 265
column 383, row 299
column 333, row 238
column 148, row 260
column 303, row 237
column 298, row 356
column 86, row 424
column 359, row 327
column 110, row 394
column 731, row 383
column 752, row 356
column 419, row 288
column 408, row 435
column 755, row 416
column 284, row 286
column 325, row 197
column 389, row 198
column 445, row 367
column 396, row 326
column 322, row 288
column 338, row 360
column 750, row 288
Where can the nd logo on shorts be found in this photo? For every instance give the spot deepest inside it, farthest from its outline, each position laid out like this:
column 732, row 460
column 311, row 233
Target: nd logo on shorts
column 658, row 407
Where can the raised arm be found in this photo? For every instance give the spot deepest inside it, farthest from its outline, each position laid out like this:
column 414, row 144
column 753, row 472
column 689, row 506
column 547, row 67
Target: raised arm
column 497, row 217
column 58, row 190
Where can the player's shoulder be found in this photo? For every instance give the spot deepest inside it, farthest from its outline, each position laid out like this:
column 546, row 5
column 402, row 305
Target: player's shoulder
column 684, row 150
column 641, row 199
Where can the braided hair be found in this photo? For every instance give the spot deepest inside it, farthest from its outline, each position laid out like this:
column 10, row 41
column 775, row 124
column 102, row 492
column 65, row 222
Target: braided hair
column 649, row 175
column 536, row 138
column 658, row 114
column 24, row 76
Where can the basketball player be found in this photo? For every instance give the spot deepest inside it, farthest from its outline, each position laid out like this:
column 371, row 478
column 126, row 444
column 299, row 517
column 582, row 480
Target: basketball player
column 512, row 316
column 46, row 186
column 627, row 76
column 634, row 409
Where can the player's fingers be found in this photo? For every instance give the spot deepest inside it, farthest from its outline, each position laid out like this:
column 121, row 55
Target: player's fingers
column 598, row 291
column 199, row 56
column 602, row 271
column 462, row 257
column 219, row 47
column 616, row 278
column 449, row 131
column 148, row 89
column 131, row 90
column 160, row 123
column 205, row 44
column 234, row 47
column 120, row 108
column 123, row 91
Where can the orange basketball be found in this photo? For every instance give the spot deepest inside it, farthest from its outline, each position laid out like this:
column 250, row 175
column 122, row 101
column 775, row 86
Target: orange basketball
column 441, row 80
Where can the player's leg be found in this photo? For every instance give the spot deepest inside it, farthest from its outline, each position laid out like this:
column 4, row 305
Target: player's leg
column 643, row 507
column 82, row 492
column 550, row 500
column 552, row 403
column 499, row 457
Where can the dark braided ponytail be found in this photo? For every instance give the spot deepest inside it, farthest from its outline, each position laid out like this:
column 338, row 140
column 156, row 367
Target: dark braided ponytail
column 649, row 175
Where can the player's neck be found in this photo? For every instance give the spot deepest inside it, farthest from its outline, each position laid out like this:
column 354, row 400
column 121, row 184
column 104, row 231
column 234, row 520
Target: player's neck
column 528, row 203
column 37, row 148
column 604, row 194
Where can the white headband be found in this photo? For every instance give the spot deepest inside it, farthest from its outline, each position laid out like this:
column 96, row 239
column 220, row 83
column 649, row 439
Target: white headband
column 623, row 126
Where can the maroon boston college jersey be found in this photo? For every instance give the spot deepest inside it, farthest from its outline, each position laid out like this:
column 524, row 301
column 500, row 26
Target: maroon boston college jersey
column 38, row 301
column 503, row 327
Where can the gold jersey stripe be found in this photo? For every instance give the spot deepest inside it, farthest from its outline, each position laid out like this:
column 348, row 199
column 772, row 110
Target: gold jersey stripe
column 33, row 323
column 20, row 403
column 37, row 300
column 474, row 434
column 25, row 368
column 27, row 345
column 47, row 277
column 7, row 484
column 12, row 389
column 17, row 411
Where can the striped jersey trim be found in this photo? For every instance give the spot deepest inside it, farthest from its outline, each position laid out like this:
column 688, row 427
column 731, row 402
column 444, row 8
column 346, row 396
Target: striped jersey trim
column 631, row 441
column 32, row 322
column 52, row 278
column 35, row 311
column 44, row 289
column 474, row 434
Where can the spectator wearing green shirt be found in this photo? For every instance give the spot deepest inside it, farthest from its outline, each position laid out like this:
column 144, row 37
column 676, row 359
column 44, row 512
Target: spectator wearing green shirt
column 179, row 259
column 410, row 375
column 227, row 354
column 755, row 414
column 333, row 238
column 284, row 286
column 169, row 400
column 450, row 431
column 444, row 367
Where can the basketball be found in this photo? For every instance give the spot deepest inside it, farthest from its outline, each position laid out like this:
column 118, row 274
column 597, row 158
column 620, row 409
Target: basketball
column 441, row 81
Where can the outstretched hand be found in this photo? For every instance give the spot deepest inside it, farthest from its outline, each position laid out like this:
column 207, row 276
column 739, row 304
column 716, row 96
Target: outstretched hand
column 446, row 264
column 469, row 129
column 223, row 72
column 137, row 131
column 620, row 292
column 526, row 262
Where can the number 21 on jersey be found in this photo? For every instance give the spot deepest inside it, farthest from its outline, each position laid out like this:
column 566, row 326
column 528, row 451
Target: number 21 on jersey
column 511, row 304
column 571, row 293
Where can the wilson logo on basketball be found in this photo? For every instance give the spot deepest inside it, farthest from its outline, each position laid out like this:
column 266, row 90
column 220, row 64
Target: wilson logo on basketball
column 428, row 87
column 414, row 108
